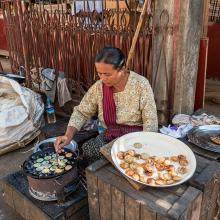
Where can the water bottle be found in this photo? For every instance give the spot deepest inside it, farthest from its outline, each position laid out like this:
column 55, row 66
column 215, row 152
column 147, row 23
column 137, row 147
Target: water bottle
column 51, row 117
column 101, row 129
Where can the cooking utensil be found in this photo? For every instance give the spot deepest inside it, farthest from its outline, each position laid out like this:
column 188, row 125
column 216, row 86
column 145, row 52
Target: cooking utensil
column 200, row 136
column 154, row 144
column 49, row 143
column 49, row 186
column 28, row 165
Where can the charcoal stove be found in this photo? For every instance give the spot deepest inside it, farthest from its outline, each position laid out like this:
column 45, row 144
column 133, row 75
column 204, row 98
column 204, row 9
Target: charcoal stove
column 66, row 207
column 52, row 186
column 61, row 195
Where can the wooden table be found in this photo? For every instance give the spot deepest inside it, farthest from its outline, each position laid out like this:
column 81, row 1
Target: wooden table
column 111, row 196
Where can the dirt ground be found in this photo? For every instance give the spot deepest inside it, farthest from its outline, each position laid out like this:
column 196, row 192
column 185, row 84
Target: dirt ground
column 11, row 162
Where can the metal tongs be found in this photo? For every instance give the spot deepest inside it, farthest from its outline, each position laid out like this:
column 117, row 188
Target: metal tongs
column 57, row 158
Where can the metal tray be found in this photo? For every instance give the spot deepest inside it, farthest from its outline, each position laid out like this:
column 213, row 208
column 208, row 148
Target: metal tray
column 200, row 136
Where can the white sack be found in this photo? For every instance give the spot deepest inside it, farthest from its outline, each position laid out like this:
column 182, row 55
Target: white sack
column 21, row 110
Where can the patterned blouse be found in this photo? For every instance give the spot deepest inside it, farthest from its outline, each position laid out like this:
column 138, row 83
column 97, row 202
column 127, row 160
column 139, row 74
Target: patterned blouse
column 134, row 106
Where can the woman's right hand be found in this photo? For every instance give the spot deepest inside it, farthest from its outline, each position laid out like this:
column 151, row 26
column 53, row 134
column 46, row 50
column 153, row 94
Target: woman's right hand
column 60, row 142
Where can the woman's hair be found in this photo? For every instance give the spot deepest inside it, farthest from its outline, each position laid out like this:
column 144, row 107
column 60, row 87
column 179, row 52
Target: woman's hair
column 111, row 55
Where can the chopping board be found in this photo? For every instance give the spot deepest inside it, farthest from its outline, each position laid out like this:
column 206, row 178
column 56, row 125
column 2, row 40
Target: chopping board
column 106, row 151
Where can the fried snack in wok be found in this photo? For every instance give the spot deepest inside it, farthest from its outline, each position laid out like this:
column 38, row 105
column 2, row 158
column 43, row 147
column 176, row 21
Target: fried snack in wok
column 215, row 139
column 68, row 167
column 68, row 155
column 58, row 170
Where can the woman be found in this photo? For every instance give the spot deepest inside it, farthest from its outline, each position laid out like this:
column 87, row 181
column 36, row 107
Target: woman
column 123, row 100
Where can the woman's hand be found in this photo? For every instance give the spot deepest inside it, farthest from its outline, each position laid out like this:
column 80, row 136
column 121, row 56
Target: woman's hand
column 60, row 142
column 64, row 140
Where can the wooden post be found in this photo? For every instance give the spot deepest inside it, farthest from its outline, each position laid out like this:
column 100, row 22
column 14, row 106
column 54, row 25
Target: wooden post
column 182, row 56
column 203, row 55
column 134, row 40
column 24, row 45
column 206, row 5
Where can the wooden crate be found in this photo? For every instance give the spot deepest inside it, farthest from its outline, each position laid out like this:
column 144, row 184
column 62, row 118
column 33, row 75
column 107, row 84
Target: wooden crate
column 111, row 196
column 206, row 179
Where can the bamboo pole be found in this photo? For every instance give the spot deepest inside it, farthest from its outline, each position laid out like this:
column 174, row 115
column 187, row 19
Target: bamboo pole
column 136, row 34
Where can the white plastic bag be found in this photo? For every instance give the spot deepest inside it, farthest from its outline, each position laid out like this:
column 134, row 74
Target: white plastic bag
column 21, row 110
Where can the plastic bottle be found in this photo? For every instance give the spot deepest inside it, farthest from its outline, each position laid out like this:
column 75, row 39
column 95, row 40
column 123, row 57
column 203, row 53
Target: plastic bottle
column 101, row 129
column 51, row 117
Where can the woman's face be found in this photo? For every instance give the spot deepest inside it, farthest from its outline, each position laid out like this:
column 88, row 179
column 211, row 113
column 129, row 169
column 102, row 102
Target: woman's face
column 108, row 74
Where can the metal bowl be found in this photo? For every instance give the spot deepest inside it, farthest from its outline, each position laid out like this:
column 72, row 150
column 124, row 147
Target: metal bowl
column 49, row 143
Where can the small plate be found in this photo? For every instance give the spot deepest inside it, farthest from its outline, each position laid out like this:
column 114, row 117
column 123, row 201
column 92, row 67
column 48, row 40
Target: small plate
column 154, row 144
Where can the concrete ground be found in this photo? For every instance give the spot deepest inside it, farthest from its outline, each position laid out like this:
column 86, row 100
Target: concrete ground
column 12, row 161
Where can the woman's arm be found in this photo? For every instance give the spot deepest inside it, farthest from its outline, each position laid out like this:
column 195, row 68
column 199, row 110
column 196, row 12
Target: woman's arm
column 81, row 113
column 87, row 108
column 148, row 107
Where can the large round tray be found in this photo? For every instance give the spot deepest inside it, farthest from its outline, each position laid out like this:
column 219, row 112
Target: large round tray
column 154, row 144
column 200, row 136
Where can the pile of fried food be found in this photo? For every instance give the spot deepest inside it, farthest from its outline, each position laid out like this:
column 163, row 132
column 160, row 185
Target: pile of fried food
column 153, row 170
column 52, row 164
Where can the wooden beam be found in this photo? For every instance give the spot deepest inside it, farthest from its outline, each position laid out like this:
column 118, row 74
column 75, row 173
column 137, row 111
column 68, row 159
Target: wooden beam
column 206, row 5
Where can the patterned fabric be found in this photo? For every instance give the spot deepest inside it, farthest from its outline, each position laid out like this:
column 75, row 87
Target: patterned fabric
column 214, row 11
column 134, row 106
column 114, row 130
column 91, row 148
